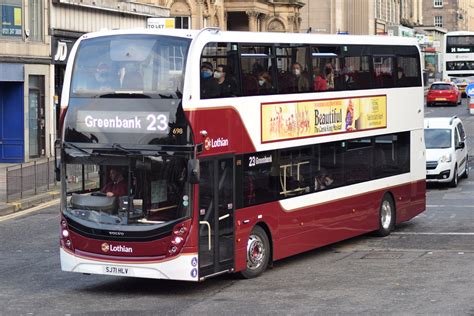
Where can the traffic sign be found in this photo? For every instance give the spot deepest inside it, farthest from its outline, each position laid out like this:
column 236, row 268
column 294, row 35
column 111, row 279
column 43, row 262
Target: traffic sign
column 470, row 90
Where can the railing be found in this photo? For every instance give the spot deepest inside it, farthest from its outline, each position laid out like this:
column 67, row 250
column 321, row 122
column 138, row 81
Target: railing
column 29, row 179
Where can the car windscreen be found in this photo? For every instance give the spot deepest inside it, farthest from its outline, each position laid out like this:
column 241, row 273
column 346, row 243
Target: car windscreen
column 437, row 138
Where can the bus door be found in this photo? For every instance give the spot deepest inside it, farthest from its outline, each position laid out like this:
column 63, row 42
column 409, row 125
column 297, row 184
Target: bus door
column 216, row 216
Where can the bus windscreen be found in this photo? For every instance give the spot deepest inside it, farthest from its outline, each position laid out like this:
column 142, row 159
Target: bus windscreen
column 150, row 65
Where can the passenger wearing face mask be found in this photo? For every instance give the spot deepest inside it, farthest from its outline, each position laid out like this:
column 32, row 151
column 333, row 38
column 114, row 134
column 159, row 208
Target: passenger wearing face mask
column 265, row 83
column 299, row 82
column 226, row 85
column 209, row 86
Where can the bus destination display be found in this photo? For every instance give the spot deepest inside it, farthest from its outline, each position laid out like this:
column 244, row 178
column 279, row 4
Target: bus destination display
column 123, row 122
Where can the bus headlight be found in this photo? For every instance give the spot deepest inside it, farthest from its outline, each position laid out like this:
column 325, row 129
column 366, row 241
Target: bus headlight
column 178, row 237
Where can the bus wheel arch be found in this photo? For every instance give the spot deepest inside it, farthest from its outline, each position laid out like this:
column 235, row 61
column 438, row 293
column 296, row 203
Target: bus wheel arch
column 259, row 251
column 387, row 215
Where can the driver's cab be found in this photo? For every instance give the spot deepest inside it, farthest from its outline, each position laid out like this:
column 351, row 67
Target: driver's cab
column 149, row 190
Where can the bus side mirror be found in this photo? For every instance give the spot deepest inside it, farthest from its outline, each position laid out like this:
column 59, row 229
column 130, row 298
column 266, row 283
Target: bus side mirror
column 57, row 161
column 194, row 171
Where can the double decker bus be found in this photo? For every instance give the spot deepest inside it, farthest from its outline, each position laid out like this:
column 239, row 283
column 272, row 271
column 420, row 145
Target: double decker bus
column 237, row 149
column 458, row 65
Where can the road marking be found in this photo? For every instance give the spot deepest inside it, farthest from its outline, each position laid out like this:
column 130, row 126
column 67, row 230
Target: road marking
column 28, row 211
column 433, row 233
column 457, row 206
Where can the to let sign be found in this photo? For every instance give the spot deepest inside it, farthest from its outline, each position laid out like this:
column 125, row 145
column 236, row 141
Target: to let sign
column 160, row 23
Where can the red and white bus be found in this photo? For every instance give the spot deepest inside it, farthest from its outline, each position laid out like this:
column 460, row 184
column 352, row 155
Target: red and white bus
column 288, row 142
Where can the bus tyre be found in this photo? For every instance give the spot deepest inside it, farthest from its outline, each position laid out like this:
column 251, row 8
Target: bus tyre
column 258, row 253
column 386, row 216
column 454, row 182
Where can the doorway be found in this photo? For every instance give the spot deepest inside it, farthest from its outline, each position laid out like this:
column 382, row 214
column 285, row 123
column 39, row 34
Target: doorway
column 11, row 122
column 216, row 216
column 36, row 117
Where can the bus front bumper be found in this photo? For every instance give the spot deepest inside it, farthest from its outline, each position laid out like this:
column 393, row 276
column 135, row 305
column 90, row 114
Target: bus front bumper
column 183, row 267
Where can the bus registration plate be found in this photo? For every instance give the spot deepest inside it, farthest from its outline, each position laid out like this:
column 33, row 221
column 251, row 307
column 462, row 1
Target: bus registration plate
column 117, row 270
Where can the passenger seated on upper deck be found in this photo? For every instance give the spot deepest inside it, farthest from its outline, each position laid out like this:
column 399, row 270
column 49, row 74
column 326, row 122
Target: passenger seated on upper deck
column 299, row 82
column 209, row 86
column 117, row 186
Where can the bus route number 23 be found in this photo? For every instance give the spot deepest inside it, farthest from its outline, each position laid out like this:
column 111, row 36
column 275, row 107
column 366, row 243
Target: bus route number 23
column 157, row 122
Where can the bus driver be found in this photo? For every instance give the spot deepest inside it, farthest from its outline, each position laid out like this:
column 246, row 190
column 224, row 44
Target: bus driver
column 117, row 186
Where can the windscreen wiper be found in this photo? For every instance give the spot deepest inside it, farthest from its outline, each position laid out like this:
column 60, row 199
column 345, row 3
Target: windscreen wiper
column 119, row 147
column 124, row 94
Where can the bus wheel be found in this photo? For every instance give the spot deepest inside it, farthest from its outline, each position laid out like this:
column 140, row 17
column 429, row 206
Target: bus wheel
column 386, row 216
column 258, row 253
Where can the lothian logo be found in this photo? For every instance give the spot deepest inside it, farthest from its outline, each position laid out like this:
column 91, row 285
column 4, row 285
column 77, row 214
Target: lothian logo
column 106, row 248
column 215, row 143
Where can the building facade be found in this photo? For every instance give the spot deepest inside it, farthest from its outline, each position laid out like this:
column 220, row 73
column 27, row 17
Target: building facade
column 24, row 80
column 360, row 17
column 453, row 15
column 235, row 15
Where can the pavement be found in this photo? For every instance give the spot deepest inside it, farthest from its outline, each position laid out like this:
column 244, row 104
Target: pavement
column 15, row 205
column 28, row 202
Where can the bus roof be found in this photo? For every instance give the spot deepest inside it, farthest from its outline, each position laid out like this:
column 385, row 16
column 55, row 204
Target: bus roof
column 459, row 33
column 214, row 34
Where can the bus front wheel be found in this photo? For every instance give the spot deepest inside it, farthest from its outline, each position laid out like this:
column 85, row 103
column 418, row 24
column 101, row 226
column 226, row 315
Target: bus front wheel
column 386, row 216
column 258, row 253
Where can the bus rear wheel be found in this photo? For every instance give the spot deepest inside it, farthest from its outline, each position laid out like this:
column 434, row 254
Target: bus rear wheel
column 386, row 216
column 258, row 253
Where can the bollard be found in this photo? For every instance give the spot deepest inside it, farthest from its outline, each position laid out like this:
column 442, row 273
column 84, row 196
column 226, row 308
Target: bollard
column 470, row 102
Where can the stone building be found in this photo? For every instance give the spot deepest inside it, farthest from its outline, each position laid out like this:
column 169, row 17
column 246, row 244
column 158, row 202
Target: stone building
column 361, row 17
column 235, row 15
column 24, row 80
column 452, row 15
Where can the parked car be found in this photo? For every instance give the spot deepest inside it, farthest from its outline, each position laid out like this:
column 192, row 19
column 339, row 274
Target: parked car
column 441, row 92
column 446, row 150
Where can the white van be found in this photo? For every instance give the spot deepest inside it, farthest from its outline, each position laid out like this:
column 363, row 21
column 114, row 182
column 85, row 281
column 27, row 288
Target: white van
column 446, row 150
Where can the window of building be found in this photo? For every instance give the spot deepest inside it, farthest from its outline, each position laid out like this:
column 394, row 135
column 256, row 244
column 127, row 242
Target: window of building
column 35, row 20
column 11, row 18
column 182, row 22
column 438, row 3
column 438, row 21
